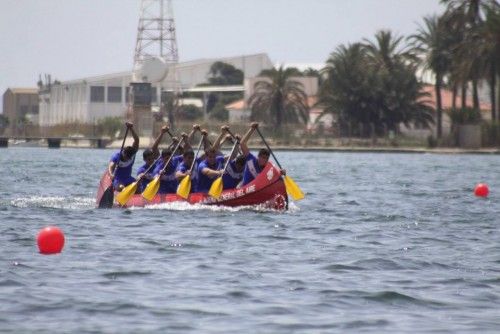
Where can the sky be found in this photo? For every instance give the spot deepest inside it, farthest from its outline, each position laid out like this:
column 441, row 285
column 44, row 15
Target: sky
column 72, row 39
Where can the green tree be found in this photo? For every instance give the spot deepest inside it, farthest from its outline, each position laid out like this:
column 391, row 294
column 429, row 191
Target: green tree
column 219, row 112
column 279, row 99
column 348, row 91
column 110, row 126
column 374, row 85
column 311, row 72
column 399, row 95
column 223, row 74
column 433, row 46
column 467, row 17
column 190, row 112
column 4, row 123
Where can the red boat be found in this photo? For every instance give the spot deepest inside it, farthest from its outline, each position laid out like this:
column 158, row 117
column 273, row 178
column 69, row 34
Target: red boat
column 267, row 190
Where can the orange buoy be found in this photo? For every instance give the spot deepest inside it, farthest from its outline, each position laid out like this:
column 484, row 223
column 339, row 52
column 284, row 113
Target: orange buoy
column 50, row 240
column 481, row 190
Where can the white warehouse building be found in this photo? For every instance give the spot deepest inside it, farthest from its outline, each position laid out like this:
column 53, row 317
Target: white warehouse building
column 90, row 99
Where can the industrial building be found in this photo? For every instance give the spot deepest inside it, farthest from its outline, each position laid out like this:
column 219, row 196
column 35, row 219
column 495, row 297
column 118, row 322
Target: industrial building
column 88, row 100
column 20, row 106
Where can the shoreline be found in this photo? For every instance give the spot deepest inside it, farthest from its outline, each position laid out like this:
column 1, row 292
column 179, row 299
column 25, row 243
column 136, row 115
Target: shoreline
column 341, row 149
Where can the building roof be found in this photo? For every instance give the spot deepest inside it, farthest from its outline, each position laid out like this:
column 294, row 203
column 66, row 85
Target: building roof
column 241, row 105
column 236, row 105
column 195, row 62
column 23, row 90
column 447, row 98
column 179, row 65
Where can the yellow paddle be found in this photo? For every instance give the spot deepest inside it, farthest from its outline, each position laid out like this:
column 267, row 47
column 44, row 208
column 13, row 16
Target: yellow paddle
column 129, row 190
column 184, row 187
column 217, row 186
column 291, row 187
column 153, row 186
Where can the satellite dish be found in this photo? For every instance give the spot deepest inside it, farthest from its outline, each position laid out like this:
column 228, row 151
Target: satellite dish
column 152, row 70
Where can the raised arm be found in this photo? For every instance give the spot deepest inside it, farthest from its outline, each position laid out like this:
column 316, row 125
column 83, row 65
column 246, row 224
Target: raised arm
column 185, row 137
column 223, row 132
column 235, row 152
column 174, row 142
column 135, row 145
column 189, row 139
column 206, row 141
column 246, row 136
column 154, row 148
column 227, row 138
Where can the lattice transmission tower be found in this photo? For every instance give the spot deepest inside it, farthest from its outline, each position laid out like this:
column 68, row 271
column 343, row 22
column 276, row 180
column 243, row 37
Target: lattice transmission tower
column 156, row 36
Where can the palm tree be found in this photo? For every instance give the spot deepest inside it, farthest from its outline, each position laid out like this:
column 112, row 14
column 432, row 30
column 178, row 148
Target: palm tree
column 348, row 91
column 311, row 72
column 484, row 40
column 386, row 51
column 492, row 38
column 278, row 98
column 359, row 91
column 475, row 55
column 398, row 94
column 430, row 42
column 468, row 15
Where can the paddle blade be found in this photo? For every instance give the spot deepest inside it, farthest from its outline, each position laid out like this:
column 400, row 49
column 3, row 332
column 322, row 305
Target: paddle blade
column 293, row 189
column 216, row 188
column 123, row 196
column 184, row 187
column 152, row 188
column 107, row 198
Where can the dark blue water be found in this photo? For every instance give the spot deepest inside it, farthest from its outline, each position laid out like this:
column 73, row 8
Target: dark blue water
column 381, row 243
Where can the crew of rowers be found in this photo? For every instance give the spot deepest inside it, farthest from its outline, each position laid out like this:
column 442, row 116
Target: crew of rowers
column 241, row 170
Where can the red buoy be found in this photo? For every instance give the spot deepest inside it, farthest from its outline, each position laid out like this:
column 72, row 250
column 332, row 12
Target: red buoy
column 481, row 190
column 50, row 240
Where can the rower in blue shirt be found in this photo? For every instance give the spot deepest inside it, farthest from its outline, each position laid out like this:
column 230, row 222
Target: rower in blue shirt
column 168, row 182
column 120, row 164
column 209, row 169
column 253, row 165
column 234, row 173
column 185, row 165
column 149, row 156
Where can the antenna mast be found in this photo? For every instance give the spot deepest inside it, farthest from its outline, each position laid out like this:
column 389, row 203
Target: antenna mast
column 156, row 35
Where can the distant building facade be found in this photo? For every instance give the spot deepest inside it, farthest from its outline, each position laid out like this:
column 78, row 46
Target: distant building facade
column 90, row 99
column 20, row 106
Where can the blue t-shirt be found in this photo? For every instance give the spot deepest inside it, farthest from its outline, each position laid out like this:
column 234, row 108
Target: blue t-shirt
column 168, row 182
column 177, row 159
column 252, row 169
column 123, row 171
column 205, row 182
column 183, row 168
column 231, row 177
column 148, row 177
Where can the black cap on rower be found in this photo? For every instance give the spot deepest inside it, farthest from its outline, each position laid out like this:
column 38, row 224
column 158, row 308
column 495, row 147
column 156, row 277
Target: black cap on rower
column 147, row 153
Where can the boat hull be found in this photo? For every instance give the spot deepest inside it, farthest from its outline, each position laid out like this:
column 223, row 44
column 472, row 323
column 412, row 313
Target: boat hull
column 267, row 190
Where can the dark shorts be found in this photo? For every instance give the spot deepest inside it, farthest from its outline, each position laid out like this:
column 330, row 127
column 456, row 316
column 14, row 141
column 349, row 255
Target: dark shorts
column 125, row 181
